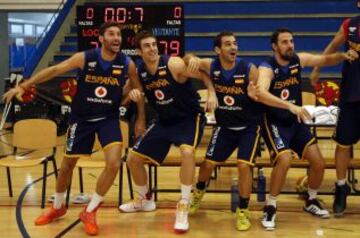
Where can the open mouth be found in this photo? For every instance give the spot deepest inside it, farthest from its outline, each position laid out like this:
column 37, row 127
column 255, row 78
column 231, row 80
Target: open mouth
column 116, row 44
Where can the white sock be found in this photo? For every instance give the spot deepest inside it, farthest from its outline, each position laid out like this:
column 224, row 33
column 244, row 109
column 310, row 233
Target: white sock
column 271, row 201
column 59, row 200
column 312, row 193
column 185, row 193
column 341, row 182
column 96, row 199
column 142, row 191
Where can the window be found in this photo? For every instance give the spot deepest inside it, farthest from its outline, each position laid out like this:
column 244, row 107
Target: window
column 16, row 29
column 29, row 30
column 39, row 30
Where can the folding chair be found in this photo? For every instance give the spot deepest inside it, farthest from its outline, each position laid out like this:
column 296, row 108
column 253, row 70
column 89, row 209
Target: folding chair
column 38, row 136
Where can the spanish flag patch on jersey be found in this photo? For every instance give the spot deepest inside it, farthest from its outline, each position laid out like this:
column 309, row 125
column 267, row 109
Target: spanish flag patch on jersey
column 116, row 71
column 294, row 71
column 239, row 81
column 162, row 72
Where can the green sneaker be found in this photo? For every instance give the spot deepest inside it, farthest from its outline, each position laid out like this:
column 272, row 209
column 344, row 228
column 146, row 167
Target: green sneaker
column 242, row 219
column 196, row 200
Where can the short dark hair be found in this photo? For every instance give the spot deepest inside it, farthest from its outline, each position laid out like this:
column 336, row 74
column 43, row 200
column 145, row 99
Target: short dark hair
column 107, row 25
column 275, row 35
column 142, row 35
column 218, row 38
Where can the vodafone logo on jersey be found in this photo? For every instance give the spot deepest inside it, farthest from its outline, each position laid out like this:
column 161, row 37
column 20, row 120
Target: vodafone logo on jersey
column 285, row 94
column 159, row 94
column 228, row 100
column 100, row 92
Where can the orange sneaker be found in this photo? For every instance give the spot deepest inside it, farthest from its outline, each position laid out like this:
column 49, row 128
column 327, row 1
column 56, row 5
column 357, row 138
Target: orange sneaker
column 50, row 215
column 89, row 220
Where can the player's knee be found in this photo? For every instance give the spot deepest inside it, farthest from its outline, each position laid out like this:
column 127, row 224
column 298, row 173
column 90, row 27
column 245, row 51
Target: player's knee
column 68, row 164
column 113, row 164
column 284, row 162
column 134, row 161
column 208, row 165
column 187, row 153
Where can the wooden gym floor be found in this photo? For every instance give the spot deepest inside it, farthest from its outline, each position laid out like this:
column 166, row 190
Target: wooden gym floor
column 214, row 219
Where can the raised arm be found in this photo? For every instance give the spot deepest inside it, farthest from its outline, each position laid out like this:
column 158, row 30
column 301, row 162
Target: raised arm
column 338, row 40
column 75, row 62
column 195, row 63
column 181, row 74
column 307, row 59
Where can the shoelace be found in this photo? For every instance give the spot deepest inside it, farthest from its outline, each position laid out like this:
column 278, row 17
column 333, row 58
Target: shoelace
column 52, row 213
column 137, row 202
column 90, row 217
column 181, row 213
column 269, row 213
column 243, row 217
column 317, row 203
column 197, row 197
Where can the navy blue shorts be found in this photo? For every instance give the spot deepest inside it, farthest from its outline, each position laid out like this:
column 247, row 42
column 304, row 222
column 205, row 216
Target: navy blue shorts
column 155, row 143
column 224, row 141
column 81, row 136
column 347, row 130
column 279, row 138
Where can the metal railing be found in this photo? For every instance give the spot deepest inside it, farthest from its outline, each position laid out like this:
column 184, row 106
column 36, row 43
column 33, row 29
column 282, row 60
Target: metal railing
column 46, row 37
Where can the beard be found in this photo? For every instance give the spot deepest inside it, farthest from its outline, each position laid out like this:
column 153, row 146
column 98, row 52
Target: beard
column 108, row 46
column 288, row 55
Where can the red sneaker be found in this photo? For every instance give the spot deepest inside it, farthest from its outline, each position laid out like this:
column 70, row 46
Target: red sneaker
column 50, row 215
column 89, row 220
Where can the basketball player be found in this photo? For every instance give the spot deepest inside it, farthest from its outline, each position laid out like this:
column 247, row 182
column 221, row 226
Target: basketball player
column 181, row 121
column 347, row 131
column 279, row 87
column 95, row 110
column 237, row 121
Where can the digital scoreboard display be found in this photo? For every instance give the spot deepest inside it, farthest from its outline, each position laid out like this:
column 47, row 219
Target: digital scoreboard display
column 165, row 21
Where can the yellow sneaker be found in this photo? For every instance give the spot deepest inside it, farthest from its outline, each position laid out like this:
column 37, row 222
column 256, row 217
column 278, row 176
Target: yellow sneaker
column 242, row 219
column 196, row 200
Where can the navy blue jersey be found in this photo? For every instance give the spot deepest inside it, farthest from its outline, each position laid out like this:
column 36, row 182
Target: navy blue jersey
column 100, row 86
column 286, row 85
column 235, row 109
column 171, row 100
column 350, row 84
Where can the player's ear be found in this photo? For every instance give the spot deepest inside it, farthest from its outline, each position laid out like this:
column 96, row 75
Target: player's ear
column 101, row 38
column 273, row 46
column 217, row 50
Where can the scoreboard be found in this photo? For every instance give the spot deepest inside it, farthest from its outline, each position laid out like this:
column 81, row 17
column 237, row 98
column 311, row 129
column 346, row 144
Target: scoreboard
column 165, row 21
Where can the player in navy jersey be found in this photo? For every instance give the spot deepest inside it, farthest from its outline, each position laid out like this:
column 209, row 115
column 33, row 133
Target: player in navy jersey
column 103, row 73
column 347, row 131
column 180, row 123
column 237, row 121
column 279, row 87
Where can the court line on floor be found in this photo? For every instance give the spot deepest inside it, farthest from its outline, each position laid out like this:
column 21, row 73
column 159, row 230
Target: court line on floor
column 67, row 229
column 19, row 202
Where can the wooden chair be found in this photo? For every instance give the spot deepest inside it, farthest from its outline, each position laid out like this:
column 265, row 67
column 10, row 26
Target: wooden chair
column 97, row 160
column 38, row 137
